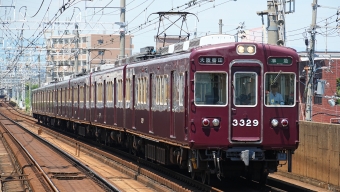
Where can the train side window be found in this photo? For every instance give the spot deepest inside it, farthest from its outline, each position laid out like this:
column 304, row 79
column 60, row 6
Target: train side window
column 67, row 96
column 120, row 90
column 99, row 92
column 92, row 93
column 63, row 95
column 81, row 94
column 181, row 89
column 127, row 90
column 245, row 89
column 161, row 89
column 75, row 95
column 280, row 89
column 210, row 88
column 138, row 90
column 165, row 90
column 144, row 90
column 87, row 93
column 59, row 97
column 109, row 91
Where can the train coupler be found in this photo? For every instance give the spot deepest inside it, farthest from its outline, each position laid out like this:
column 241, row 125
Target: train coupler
column 246, row 155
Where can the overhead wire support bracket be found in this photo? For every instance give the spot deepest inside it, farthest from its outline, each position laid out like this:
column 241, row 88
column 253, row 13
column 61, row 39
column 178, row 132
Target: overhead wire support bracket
column 163, row 15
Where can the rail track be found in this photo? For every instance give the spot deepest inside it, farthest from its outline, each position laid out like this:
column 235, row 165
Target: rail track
column 157, row 177
column 53, row 170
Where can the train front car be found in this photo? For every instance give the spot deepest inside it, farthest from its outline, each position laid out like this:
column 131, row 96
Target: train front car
column 243, row 111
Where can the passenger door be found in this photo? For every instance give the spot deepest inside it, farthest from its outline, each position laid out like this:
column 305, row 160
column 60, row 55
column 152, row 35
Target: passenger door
column 245, row 102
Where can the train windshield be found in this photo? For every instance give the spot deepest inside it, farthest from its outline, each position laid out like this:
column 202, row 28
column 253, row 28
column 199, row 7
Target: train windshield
column 245, row 88
column 280, row 89
column 210, row 88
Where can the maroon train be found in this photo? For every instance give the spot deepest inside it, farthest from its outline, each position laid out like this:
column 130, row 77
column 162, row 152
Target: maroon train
column 209, row 110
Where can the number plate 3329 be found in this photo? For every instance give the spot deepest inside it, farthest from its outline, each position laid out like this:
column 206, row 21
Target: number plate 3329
column 245, row 122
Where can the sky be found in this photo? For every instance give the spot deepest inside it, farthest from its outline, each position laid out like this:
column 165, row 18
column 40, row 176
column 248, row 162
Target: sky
column 39, row 14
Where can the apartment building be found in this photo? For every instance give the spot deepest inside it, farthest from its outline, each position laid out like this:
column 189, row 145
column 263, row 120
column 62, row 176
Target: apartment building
column 93, row 50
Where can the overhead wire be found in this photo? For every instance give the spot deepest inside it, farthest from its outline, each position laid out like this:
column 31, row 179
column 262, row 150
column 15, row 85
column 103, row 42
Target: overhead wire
column 38, row 9
column 56, row 16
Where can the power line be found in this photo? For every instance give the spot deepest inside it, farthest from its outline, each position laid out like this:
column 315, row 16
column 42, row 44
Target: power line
column 38, row 9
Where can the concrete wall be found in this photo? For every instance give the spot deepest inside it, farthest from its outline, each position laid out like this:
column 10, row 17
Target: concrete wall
column 318, row 155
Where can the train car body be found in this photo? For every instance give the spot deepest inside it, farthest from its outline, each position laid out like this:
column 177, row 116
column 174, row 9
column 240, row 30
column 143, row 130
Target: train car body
column 210, row 109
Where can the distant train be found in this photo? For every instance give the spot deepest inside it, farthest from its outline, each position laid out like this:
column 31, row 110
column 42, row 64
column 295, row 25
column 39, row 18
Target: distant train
column 210, row 109
column 3, row 93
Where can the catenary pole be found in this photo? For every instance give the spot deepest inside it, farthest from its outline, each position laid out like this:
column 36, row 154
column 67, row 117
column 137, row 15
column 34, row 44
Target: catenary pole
column 311, row 63
column 220, row 26
column 122, row 28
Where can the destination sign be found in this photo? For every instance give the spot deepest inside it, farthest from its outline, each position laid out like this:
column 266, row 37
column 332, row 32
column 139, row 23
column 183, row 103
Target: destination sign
column 211, row 60
column 280, row 60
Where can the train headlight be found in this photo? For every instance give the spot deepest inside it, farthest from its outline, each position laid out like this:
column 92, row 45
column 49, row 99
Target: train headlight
column 250, row 49
column 284, row 122
column 240, row 49
column 216, row 122
column 275, row 122
column 205, row 122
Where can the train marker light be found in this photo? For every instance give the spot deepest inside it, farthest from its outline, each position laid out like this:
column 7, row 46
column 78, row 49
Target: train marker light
column 205, row 122
column 275, row 122
column 284, row 122
column 216, row 122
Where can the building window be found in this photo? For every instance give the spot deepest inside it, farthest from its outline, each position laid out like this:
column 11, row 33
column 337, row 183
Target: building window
column 83, row 39
column 317, row 100
column 100, row 41
column 100, row 52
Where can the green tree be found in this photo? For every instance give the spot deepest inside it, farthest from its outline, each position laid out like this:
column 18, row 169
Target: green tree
column 27, row 96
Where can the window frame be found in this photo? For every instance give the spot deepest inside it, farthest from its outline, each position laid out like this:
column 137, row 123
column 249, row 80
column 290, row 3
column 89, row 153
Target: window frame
column 268, row 89
column 226, row 89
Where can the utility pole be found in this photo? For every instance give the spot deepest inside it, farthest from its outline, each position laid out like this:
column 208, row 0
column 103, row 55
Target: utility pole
column 326, row 36
column 311, row 66
column 77, row 49
column 273, row 36
column 122, row 28
column 276, row 10
column 220, row 25
column 39, row 69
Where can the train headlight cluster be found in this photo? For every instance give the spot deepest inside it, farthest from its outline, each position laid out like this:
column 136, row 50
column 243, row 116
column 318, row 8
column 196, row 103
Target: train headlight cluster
column 246, row 49
column 283, row 122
